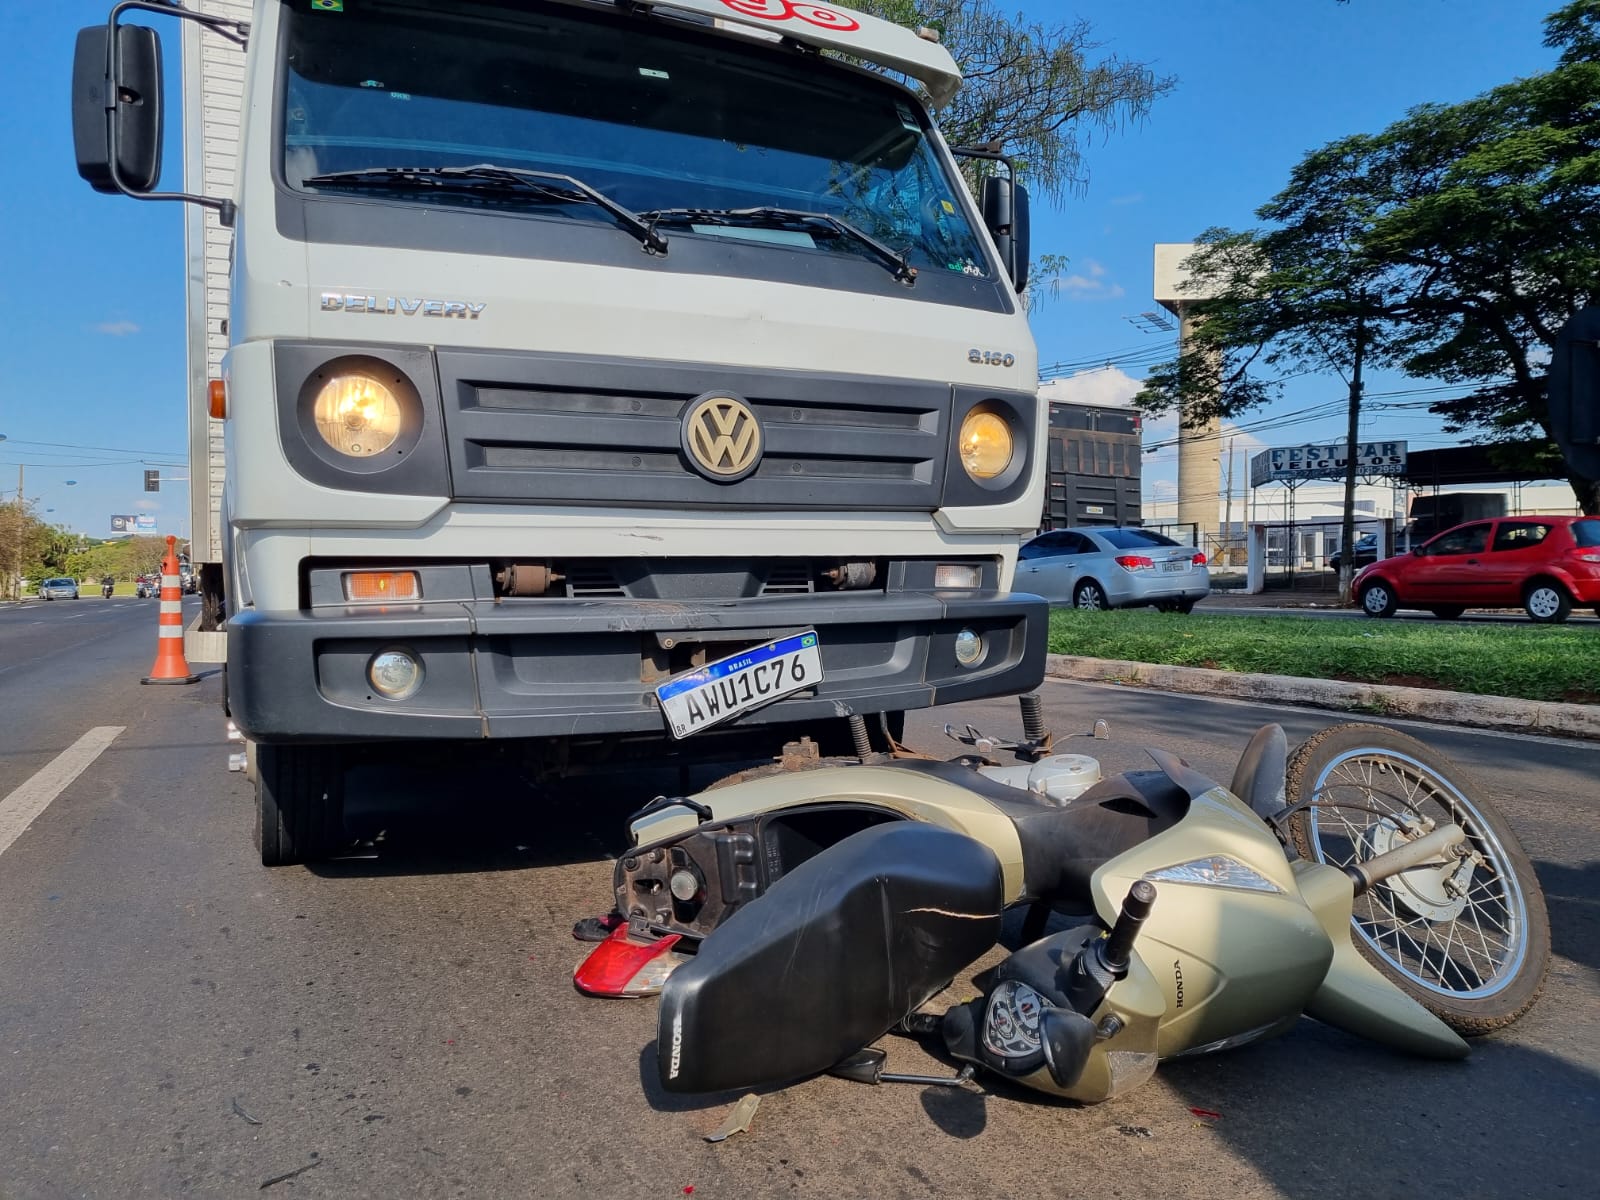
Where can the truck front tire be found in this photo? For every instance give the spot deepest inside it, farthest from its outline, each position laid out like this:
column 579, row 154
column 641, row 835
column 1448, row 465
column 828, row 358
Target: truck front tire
column 299, row 803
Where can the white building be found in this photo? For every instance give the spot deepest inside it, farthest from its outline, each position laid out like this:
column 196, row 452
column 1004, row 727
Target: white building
column 1308, row 520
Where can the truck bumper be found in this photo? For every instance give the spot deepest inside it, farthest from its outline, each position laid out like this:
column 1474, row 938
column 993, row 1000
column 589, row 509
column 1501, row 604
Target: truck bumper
column 573, row 668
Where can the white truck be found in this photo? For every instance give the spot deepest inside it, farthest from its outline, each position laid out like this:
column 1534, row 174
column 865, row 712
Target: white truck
column 588, row 374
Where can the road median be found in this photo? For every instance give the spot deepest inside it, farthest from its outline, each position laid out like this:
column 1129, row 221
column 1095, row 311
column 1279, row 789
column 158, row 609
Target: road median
column 1427, row 704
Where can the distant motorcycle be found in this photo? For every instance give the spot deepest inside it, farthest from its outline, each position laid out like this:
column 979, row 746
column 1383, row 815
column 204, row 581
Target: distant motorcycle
column 107, row 586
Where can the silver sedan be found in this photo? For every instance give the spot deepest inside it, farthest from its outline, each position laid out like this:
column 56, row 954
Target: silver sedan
column 1113, row 567
column 58, row 589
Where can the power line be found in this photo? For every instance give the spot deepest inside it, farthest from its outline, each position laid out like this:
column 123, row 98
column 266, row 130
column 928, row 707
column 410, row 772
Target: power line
column 107, row 449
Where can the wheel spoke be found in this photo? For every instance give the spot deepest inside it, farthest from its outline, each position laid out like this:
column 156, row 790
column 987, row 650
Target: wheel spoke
column 1463, row 943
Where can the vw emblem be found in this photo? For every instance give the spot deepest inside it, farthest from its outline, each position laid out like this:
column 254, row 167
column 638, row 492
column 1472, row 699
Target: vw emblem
column 721, row 437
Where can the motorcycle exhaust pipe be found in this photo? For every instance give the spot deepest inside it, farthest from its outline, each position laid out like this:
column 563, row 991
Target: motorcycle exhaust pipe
column 1443, row 842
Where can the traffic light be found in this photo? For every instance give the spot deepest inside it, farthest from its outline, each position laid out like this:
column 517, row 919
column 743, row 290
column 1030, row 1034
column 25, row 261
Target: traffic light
column 152, row 481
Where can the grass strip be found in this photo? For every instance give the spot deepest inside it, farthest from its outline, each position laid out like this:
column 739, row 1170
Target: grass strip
column 1529, row 662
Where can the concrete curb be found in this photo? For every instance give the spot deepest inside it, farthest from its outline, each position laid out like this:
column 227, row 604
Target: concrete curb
column 1427, row 704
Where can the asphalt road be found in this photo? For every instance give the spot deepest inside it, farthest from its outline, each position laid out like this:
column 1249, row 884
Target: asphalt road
column 177, row 1020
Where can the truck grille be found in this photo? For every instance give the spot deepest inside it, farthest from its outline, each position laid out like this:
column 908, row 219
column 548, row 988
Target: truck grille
column 608, row 432
column 692, row 579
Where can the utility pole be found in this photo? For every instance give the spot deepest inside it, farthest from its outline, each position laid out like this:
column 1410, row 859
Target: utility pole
column 14, row 584
column 1227, row 512
column 1347, row 534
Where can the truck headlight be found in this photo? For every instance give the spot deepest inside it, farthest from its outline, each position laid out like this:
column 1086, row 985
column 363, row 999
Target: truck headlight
column 356, row 414
column 986, row 444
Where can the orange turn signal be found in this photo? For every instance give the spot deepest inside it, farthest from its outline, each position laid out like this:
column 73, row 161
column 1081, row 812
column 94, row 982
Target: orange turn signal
column 217, row 394
column 383, row 586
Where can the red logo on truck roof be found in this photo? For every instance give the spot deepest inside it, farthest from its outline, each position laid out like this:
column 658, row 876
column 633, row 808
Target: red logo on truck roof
column 789, row 10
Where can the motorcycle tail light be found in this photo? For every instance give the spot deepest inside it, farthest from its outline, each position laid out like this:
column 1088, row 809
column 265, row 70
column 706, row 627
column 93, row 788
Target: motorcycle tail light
column 1135, row 562
column 622, row 966
column 1199, row 560
column 1216, row 871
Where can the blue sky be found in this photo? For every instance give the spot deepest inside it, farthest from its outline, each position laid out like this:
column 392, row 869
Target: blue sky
column 91, row 317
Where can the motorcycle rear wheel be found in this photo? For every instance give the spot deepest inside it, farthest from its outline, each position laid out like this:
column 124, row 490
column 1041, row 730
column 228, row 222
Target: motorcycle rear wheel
column 1471, row 944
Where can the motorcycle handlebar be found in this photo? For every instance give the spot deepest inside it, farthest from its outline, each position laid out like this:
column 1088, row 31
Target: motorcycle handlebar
column 1135, row 909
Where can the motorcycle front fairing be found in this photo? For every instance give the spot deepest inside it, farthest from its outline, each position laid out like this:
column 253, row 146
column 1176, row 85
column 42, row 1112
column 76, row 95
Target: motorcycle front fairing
column 1243, row 941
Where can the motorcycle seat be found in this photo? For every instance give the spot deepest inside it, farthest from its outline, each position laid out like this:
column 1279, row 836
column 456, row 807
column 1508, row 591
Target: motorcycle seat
column 1063, row 845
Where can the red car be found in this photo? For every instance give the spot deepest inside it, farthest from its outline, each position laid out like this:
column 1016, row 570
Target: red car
column 1544, row 564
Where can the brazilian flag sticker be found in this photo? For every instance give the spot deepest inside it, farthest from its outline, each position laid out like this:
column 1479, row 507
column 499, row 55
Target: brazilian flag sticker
column 328, row 5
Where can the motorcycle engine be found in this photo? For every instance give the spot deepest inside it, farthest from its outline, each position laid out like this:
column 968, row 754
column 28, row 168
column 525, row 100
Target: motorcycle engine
column 1060, row 778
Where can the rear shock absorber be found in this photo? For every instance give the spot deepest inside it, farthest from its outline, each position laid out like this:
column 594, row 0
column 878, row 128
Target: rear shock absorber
column 1032, row 717
column 859, row 735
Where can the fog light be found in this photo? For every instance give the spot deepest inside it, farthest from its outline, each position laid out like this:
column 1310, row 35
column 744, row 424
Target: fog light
column 969, row 648
column 394, row 674
column 957, row 575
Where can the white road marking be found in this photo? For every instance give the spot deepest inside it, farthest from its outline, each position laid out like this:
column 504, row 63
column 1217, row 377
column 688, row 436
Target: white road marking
column 18, row 810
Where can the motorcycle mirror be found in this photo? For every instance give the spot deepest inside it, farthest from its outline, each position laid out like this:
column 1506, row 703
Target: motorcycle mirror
column 1068, row 1037
column 864, row 1066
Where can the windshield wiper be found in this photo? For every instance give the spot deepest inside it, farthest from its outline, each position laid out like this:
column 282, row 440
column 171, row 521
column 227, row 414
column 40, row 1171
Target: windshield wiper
column 542, row 185
column 768, row 217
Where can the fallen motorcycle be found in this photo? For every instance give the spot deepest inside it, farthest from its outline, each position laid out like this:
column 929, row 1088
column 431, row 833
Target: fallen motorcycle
column 1361, row 882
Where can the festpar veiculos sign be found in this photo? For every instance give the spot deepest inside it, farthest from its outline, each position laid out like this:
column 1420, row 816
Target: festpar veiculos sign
column 1326, row 461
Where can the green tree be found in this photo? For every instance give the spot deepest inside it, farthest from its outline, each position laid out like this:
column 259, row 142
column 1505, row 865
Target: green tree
column 1290, row 301
column 1470, row 232
column 1037, row 87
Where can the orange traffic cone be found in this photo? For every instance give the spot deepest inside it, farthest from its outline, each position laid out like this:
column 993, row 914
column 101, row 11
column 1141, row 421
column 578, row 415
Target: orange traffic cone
column 171, row 666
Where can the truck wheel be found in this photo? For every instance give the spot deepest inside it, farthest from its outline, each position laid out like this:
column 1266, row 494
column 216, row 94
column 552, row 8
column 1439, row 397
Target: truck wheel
column 211, row 597
column 299, row 803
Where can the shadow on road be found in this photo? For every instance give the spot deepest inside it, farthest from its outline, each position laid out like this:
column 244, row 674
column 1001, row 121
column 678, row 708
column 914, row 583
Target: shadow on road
column 475, row 815
column 1316, row 1114
column 1572, row 895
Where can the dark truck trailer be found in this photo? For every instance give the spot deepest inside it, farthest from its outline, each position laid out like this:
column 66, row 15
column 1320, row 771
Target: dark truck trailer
column 1094, row 459
column 1431, row 514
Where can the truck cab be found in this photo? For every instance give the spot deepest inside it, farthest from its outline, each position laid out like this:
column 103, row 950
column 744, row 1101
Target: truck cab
column 587, row 360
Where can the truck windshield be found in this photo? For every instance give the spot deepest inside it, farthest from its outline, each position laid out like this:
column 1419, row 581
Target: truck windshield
column 658, row 116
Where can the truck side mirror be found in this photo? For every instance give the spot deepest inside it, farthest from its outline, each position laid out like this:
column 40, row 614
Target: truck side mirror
column 1005, row 212
column 117, row 138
